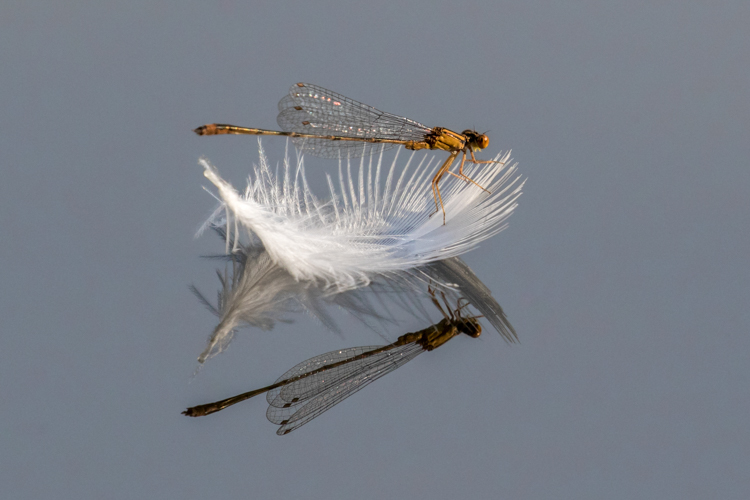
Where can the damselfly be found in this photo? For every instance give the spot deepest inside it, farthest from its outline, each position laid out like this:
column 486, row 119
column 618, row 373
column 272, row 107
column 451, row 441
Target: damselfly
column 318, row 384
column 327, row 124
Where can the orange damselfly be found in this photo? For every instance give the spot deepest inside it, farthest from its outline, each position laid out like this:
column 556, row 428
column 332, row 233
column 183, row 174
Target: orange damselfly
column 329, row 125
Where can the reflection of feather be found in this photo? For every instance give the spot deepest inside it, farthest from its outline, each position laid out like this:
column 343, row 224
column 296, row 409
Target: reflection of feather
column 258, row 293
column 466, row 284
column 362, row 232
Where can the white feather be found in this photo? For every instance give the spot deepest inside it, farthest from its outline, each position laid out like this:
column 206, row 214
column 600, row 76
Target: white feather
column 360, row 233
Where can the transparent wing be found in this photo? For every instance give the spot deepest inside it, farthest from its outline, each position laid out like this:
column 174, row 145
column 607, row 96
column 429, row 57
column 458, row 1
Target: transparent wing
column 314, row 382
column 297, row 414
column 311, row 109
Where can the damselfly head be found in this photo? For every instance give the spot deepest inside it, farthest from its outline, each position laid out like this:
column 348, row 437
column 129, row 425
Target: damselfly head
column 477, row 141
column 469, row 326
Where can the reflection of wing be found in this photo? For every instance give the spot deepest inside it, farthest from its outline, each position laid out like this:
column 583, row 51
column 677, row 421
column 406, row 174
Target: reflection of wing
column 310, row 109
column 295, row 404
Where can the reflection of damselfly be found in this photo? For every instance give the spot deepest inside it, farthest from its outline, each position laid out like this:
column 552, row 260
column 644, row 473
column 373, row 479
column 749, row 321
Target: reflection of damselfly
column 329, row 125
column 318, row 384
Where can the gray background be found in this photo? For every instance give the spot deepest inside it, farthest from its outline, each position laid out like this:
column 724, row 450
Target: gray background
column 625, row 269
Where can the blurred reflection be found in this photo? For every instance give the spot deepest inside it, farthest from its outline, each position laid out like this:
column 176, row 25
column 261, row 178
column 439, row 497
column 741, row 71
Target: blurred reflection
column 256, row 292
